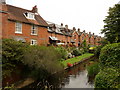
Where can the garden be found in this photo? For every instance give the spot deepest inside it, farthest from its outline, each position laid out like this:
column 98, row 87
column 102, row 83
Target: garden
column 21, row 60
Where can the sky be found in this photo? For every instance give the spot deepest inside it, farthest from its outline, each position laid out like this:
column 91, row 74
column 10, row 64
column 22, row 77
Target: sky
column 87, row 15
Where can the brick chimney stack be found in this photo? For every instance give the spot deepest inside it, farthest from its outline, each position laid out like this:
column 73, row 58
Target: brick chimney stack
column 78, row 29
column 62, row 24
column 84, row 31
column 66, row 26
column 93, row 33
column 74, row 28
column 35, row 9
column 90, row 33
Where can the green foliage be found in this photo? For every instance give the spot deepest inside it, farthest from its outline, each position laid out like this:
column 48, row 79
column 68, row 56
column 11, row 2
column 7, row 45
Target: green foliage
column 76, row 52
column 93, row 69
column 110, row 55
column 41, row 57
column 62, row 52
column 107, row 78
column 112, row 24
column 97, row 51
column 12, row 54
column 37, row 61
column 76, row 59
column 85, row 47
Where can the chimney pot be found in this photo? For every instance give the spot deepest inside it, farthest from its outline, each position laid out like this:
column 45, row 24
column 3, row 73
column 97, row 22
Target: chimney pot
column 89, row 32
column 66, row 26
column 35, row 9
column 61, row 24
column 84, row 31
column 74, row 28
column 78, row 29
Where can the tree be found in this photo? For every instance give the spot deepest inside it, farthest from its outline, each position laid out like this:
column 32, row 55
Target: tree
column 112, row 24
column 12, row 55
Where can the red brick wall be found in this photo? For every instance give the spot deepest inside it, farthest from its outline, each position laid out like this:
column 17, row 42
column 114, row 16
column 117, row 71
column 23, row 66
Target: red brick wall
column 4, row 27
column 75, row 38
column 87, row 39
column 82, row 37
column 41, row 37
column 92, row 40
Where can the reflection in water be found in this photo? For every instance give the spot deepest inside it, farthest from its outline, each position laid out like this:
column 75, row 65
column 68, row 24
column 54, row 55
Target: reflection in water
column 78, row 81
column 75, row 77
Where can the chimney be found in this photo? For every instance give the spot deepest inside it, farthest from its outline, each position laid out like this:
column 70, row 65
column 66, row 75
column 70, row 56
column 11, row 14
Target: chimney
column 35, row 9
column 66, row 26
column 74, row 28
column 93, row 33
column 3, row 1
column 90, row 33
column 62, row 24
column 84, row 31
column 78, row 29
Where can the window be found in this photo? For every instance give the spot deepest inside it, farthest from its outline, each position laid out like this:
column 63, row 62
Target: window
column 34, row 30
column 29, row 15
column 18, row 28
column 82, row 38
column 33, row 42
column 74, row 36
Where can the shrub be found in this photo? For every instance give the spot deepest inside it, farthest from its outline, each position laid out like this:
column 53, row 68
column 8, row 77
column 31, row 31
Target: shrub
column 62, row 52
column 12, row 55
column 110, row 55
column 76, row 52
column 97, row 51
column 93, row 69
column 107, row 78
column 41, row 57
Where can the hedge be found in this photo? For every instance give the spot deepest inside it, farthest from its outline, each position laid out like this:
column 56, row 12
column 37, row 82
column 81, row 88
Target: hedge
column 108, row 78
column 110, row 55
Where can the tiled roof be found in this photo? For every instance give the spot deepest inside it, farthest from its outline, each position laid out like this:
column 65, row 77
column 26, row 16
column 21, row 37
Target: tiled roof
column 17, row 14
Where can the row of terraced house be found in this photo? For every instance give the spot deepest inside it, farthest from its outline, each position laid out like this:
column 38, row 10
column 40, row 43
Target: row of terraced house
column 28, row 26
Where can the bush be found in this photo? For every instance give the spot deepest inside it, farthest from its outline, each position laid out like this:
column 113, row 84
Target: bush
column 44, row 58
column 93, row 69
column 76, row 52
column 62, row 52
column 110, row 55
column 12, row 55
column 97, row 51
column 108, row 78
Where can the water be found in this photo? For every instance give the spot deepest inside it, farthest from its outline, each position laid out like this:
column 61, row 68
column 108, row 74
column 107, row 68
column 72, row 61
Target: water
column 75, row 77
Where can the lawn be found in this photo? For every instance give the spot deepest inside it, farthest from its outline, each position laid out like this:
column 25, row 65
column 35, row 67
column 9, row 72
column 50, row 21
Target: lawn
column 76, row 59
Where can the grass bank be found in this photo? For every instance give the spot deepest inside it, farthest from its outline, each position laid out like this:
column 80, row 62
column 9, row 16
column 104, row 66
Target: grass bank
column 76, row 59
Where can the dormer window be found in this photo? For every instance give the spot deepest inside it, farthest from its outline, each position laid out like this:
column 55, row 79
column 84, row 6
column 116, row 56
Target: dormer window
column 29, row 15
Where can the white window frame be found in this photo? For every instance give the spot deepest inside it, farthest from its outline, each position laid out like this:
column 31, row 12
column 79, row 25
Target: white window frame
column 18, row 27
column 33, row 42
column 34, row 30
column 30, row 15
column 82, row 38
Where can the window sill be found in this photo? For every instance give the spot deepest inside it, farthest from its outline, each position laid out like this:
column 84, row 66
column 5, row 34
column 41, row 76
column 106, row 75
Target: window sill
column 34, row 34
column 18, row 32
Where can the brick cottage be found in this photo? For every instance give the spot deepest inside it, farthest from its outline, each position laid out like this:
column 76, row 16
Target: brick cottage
column 28, row 26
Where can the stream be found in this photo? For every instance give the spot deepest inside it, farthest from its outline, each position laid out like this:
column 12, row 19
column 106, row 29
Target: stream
column 75, row 77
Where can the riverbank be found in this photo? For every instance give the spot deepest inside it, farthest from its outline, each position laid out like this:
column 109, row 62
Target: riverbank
column 75, row 61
